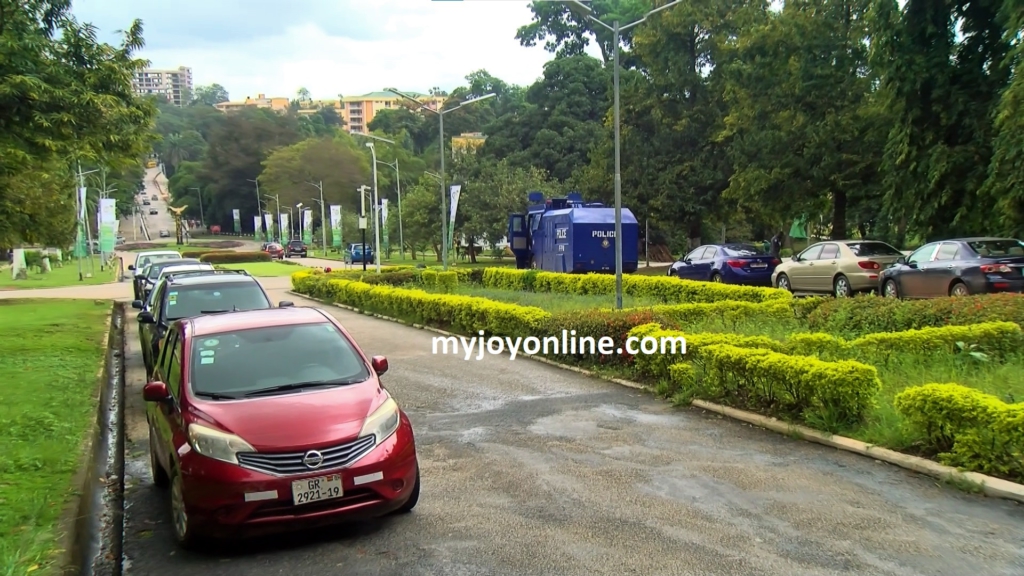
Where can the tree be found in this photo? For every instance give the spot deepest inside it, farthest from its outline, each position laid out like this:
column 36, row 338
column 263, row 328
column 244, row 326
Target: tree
column 64, row 97
column 421, row 208
column 177, row 148
column 567, row 30
column 209, row 95
column 288, row 171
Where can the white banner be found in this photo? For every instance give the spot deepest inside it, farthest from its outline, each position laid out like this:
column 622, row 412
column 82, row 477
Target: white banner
column 456, row 191
column 81, row 204
column 108, row 216
column 336, row 225
column 286, row 231
column 268, row 219
column 384, row 212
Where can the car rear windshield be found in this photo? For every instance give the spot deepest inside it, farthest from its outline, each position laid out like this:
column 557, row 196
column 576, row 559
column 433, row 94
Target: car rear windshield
column 188, row 301
column 868, row 249
column 156, row 258
column 296, row 243
column 740, row 250
column 154, row 270
column 997, row 248
column 236, row 363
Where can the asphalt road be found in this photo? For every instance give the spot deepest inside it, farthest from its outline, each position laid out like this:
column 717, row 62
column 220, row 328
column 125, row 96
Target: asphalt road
column 528, row 469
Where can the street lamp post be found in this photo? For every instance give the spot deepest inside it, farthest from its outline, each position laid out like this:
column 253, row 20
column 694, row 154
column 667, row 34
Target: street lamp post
column 323, row 221
column 81, row 223
column 616, row 30
column 375, row 209
column 440, row 128
column 398, row 184
column 202, row 217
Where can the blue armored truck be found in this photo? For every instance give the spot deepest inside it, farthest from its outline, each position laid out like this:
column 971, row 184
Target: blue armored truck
column 568, row 235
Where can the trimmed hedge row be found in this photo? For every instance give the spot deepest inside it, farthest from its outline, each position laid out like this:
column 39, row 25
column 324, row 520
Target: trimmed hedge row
column 966, row 428
column 234, row 257
column 661, row 288
column 200, row 252
column 834, row 394
column 464, row 314
column 870, row 314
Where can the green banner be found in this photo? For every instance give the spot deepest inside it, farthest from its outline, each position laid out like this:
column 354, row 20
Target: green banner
column 108, row 222
column 256, row 224
column 336, row 226
column 237, row 214
column 307, row 227
column 81, row 250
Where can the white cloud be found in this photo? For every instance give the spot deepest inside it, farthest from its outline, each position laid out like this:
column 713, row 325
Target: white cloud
column 330, row 46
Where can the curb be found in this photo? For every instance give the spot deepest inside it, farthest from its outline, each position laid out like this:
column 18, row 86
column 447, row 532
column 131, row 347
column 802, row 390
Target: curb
column 989, row 485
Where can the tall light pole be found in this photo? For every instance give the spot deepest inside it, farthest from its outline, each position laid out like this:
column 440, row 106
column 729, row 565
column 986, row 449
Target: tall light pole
column 375, row 210
column 277, row 200
column 440, row 128
column 81, row 222
column 202, row 217
column 259, row 210
column 398, row 184
column 323, row 221
column 616, row 30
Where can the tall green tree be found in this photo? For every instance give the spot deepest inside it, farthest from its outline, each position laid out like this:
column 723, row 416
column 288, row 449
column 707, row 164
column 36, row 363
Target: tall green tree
column 209, row 95
column 288, row 172
column 566, row 29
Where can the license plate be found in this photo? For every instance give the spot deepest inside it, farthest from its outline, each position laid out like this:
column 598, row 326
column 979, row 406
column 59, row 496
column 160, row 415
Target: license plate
column 316, row 489
column 758, row 265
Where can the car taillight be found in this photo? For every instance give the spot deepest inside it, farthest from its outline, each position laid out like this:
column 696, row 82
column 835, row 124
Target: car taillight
column 868, row 265
column 736, row 263
column 995, row 268
column 776, row 261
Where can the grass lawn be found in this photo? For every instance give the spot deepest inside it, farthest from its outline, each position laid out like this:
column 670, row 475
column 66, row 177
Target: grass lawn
column 59, row 277
column 264, row 269
column 49, row 356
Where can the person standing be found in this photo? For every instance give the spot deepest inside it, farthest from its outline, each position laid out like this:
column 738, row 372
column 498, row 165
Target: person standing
column 777, row 244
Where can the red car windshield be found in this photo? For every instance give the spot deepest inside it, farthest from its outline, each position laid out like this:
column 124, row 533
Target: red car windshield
column 246, row 361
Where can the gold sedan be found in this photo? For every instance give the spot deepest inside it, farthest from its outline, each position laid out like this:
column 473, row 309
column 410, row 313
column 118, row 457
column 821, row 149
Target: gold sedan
column 840, row 267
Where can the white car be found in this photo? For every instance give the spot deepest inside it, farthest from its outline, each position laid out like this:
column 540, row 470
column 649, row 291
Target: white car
column 143, row 259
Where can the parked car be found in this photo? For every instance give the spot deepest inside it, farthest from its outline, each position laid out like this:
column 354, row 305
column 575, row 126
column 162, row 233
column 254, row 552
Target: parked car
column 165, row 234
column 143, row 259
column 153, row 198
column 355, row 254
column 728, row 263
column 152, row 273
column 957, row 267
column 153, row 212
column 842, row 267
column 183, row 295
column 248, row 443
column 275, row 250
column 296, row 248
column 145, row 203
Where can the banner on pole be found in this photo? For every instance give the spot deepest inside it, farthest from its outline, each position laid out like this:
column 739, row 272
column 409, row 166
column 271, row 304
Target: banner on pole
column 307, row 227
column 81, row 204
column 286, row 230
column 384, row 223
column 336, row 225
column 237, row 215
column 456, row 192
column 108, row 218
column 268, row 219
column 257, row 233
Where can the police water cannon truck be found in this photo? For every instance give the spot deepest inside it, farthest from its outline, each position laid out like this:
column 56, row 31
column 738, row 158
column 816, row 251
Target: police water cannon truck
column 568, row 235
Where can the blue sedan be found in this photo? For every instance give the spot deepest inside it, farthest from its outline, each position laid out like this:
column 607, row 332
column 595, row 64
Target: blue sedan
column 729, row 263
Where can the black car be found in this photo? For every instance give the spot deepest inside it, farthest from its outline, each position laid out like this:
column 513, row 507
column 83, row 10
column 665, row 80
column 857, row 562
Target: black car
column 958, row 267
column 195, row 294
column 295, row 248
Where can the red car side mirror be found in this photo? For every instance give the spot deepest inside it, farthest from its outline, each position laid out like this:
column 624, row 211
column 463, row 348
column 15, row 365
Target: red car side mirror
column 380, row 364
column 155, row 392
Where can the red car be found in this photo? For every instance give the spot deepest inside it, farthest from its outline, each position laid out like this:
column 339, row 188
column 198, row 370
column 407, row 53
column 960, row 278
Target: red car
column 275, row 250
column 271, row 420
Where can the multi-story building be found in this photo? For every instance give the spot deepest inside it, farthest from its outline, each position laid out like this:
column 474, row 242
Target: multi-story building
column 175, row 85
column 358, row 111
column 277, row 104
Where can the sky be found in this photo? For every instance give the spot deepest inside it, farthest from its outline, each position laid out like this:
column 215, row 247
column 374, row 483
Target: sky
column 330, row 47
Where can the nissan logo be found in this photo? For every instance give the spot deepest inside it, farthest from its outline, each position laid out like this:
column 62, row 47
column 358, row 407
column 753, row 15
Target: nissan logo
column 313, row 459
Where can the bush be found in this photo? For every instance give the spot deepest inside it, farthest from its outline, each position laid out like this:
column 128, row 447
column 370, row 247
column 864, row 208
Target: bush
column 829, row 395
column 657, row 366
column 448, row 281
column 660, row 288
column 428, row 277
column 463, row 314
column 598, row 324
column 234, row 257
column 200, row 252
column 966, row 428
column 399, row 278
column 728, row 310
column 853, row 317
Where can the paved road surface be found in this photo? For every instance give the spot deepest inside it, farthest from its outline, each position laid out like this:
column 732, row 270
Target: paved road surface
column 531, row 470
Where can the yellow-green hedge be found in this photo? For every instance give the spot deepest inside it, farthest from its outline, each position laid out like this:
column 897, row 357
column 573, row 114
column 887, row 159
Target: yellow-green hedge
column 429, row 277
column 447, row 280
column 661, row 288
column 967, row 428
column 657, row 365
column 829, row 394
column 464, row 314
column 1001, row 339
column 729, row 310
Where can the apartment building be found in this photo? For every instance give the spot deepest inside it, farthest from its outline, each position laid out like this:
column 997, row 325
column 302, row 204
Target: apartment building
column 173, row 84
column 277, row 104
column 358, row 111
